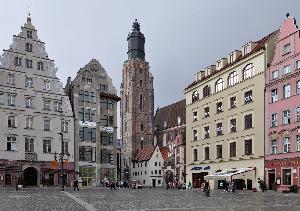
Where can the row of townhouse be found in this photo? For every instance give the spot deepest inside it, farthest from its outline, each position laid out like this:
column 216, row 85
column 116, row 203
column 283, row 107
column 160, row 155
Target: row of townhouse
column 36, row 115
column 242, row 115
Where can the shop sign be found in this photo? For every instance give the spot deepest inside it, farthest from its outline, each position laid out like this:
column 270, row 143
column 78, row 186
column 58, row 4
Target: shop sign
column 106, row 129
column 285, row 163
column 197, row 168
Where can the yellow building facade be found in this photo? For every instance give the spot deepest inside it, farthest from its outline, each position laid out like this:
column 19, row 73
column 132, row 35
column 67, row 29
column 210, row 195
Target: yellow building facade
column 225, row 117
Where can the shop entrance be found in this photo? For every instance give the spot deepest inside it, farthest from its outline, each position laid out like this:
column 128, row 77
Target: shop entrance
column 271, row 176
column 87, row 181
column 153, row 183
column 30, row 176
column 51, row 179
column 198, row 179
column 7, row 179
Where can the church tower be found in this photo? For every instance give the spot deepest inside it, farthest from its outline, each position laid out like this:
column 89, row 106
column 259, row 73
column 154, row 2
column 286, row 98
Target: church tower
column 137, row 99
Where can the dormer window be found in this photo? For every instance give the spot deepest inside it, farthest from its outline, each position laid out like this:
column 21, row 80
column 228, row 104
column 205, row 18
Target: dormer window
column 28, row 47
column 231, row 58
column 219, row 65
column 246, row 49
column 29, row 34
column 286, row 49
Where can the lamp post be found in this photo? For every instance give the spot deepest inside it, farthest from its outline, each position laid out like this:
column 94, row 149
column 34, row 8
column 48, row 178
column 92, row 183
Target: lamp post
column 62, row 155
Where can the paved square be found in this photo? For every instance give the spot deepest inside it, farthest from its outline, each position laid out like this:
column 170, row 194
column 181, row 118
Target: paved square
column 146, row 199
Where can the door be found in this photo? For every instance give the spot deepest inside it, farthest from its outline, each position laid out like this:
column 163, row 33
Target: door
column 249, row 184
column 7, row 179
column 30, row 176
column 271, row 179
column 153, row 183
column 51, row 179
column 198, row 179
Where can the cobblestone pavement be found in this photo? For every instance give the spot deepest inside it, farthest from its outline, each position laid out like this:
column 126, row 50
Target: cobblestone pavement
column 146, row 199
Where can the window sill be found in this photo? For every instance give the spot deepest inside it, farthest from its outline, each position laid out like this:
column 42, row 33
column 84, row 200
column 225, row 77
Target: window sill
column 11, row 150
column 249, row 128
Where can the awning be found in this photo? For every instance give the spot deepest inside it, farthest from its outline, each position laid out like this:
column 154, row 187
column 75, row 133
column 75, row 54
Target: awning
column 228, row 173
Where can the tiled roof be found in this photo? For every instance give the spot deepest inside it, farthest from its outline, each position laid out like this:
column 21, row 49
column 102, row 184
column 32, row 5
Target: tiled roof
column 143, row 154
column 164, row 152
column 170, row 115
column 260, row 45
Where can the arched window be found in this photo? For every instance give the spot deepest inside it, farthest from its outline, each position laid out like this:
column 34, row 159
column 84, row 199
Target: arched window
column 219, row 85
column 248, row 71
column 206, row 91
column 232, row 78
column 195, row 96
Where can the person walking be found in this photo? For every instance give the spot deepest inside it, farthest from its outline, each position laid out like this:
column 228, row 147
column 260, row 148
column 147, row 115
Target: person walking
column 207, row 188
column 190, row 185
column 221, row 185
column 75, row 184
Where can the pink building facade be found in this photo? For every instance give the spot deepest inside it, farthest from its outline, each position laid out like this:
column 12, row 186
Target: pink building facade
column 282, row 141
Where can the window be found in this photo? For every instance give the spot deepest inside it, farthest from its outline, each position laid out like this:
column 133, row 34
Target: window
column 47, row 146
column 28, row 122
column 11, row 79
column 89, row 80
column 298, row 64
column 64, row 127
column 87, row 134
column 47, row 104
column 248, row 147
column 248, row 121
column 274, row 120
column 206, row 132
column 286, row 145
column 232, row 147
column 286, row 117
column 287, row 69
column 219, row 129
column 40, row 66
column 28, row 63
column 233, row 125
column 286, row 49
column 286, row 176
column 142, row 127
column 88, row 154
column 104, row 120
column 195, row 133
column 195, row 116
column 231, row 58
column 141, row 102
column 28, row 47
column 219, row 151
column 29, row 34
column 274, row 146
column 106, row 104
column 66, row 147
column 248, row 71
column 274, row 95
column 57, row 105
column 298, row 114
column 28, row 82
column 93, row 97
column 11, row 144
column 28, row 102
column 219, row 107
column 206, row 153
column 141, row 83
column 155, row 163
column 18, row 61
column 106, row 138
column 206, row 91
column 232, row 78
column 233, row 102
column 275, row 74
column 11, row 121
column 298, row 87
column 297, row 142
column 29, row 145
column 86, row 96
column 248, row 97
column 219, row 85
column 195, row 154
column 103, row 87
column 11, row 101
column 206, row 112
column 286, row 91
column 47, row 85
column 46, row 124
column 1, row 99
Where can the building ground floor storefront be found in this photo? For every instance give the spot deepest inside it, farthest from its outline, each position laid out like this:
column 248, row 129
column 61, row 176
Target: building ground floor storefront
column 92, row 174
column 248, row 179
column 34, row 173
column 280, row 174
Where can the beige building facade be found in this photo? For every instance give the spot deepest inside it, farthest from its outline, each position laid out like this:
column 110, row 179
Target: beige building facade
column 224, row 117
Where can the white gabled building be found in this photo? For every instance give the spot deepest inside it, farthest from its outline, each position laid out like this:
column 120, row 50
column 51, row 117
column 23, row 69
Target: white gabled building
column 147, row 167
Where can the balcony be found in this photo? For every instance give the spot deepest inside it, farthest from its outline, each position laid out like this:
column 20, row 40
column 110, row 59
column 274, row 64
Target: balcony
column 30, row 156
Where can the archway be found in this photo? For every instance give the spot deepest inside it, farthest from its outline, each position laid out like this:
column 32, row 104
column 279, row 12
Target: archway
column 30, row 176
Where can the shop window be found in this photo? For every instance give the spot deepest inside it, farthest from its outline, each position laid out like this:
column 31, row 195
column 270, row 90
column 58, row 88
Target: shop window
column 286, row 176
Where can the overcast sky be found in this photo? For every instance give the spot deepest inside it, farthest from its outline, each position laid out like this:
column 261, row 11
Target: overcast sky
column 182, row 37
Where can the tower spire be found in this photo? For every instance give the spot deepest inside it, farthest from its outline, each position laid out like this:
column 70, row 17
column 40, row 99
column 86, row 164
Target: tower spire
column 136, row 42
column 28, row 14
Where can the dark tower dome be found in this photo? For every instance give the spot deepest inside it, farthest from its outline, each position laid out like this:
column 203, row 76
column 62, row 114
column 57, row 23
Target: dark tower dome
column 136, row 42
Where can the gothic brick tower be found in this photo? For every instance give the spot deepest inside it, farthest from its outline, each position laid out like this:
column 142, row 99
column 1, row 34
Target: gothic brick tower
column 137, row 99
